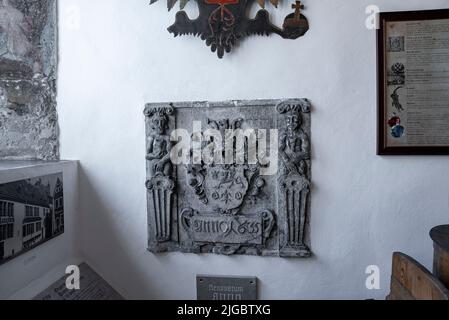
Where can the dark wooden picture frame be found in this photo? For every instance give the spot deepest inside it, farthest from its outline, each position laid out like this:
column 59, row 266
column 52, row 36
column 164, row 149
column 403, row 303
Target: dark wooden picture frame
column 384, row 18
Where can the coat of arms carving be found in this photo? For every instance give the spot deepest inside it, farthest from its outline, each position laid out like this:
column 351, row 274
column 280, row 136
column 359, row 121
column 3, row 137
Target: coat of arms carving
column 243, row 206
column 222, row 23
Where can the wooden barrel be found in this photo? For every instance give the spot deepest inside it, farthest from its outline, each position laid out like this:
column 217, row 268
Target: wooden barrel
column 440, row 237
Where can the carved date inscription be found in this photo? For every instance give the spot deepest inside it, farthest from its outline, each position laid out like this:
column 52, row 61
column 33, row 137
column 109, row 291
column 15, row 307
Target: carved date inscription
column 227, row 229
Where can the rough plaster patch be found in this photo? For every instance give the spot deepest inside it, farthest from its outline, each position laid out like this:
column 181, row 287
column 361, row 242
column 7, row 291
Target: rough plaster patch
column 28, row 60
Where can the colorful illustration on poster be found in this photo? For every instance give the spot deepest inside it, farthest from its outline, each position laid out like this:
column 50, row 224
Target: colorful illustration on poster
column 397, row 130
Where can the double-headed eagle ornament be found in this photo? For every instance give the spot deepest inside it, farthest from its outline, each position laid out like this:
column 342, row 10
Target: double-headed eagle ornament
column 222, row 23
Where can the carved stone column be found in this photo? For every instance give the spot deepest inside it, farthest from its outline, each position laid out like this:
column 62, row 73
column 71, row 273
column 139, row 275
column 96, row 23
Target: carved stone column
column 294, row 185
column 161, row 180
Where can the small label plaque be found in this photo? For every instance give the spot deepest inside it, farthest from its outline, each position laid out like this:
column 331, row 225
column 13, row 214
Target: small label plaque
column 226, row 288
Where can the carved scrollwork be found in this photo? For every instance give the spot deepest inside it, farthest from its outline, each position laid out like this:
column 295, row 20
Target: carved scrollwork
column 268, row 222
column 293, row 106
column 196, row 181
column 226, row 249
column 160, row 183
column 165, row 110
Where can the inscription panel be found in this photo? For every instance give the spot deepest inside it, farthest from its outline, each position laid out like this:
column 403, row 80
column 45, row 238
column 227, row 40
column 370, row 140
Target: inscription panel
column 233, row 230
column 229, row 177
column 248, row 229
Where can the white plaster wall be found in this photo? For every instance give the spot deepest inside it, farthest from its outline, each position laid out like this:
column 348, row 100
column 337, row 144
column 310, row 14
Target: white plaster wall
column 119, row 56
column 32, row 272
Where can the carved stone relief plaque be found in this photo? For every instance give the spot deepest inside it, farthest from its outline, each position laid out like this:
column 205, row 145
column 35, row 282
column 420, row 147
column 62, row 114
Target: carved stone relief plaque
column 211, row 190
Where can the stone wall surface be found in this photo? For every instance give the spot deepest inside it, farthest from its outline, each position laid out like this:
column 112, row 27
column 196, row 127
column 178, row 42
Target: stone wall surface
column 28, row 61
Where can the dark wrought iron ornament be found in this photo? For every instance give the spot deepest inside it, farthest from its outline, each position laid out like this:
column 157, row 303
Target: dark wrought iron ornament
column 221, row 23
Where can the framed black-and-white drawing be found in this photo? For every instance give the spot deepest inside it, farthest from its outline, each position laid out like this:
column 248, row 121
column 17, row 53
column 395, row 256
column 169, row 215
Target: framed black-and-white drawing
column 413, row 83
column 31, row 213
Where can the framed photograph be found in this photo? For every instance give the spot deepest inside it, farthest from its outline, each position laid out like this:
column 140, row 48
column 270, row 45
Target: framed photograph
column 31, row 213
column 413, row 83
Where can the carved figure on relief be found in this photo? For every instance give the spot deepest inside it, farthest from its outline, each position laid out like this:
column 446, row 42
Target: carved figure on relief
column 159, row 144
column 294, row 146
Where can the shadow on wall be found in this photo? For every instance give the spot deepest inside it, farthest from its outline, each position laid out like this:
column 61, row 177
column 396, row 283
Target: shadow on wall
column 101, row 243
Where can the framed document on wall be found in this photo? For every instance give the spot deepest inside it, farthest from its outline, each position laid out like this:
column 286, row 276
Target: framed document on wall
column 413, row 83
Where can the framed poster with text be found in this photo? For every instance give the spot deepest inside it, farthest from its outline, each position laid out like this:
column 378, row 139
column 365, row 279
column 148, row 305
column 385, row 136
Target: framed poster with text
column 413, row 83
